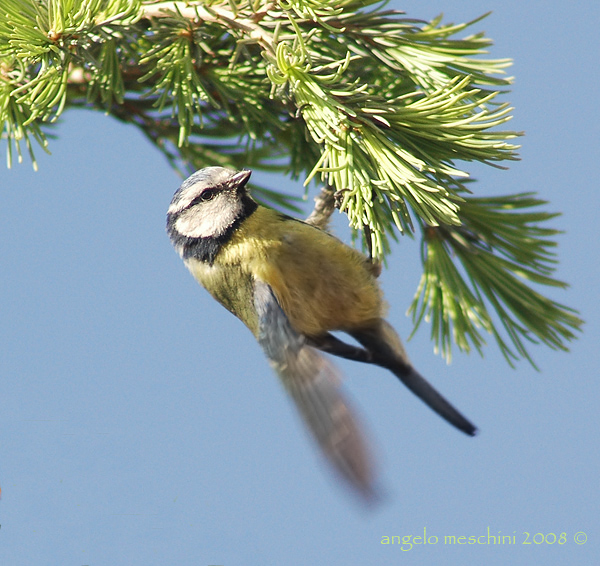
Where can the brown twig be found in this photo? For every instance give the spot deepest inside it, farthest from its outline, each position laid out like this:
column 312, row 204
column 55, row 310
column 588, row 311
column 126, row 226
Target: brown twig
column 216, row 14
column 323, row 209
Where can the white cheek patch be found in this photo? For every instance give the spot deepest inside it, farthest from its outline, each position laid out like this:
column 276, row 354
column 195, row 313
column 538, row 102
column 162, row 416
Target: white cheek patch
column 208, row 219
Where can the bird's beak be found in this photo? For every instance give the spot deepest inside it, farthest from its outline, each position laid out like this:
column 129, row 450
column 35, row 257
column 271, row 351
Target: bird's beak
column 240, row 179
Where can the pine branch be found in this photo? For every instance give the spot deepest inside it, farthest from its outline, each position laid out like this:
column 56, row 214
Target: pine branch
column 501, row 245
column 384, row 110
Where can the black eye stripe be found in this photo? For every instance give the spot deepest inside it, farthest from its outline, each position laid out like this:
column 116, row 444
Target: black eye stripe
column 204, row 196
column 208, row 194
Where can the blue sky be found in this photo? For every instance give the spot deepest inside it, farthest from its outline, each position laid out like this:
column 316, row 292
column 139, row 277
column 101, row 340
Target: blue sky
column 141, row 424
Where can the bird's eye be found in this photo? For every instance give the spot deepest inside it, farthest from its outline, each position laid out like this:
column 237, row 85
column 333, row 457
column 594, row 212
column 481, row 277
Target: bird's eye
column 208, row 194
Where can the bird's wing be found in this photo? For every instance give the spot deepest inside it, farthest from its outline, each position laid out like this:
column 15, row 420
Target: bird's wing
column 314, row 385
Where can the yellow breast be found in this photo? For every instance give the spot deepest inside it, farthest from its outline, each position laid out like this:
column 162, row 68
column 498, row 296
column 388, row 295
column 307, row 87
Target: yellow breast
column 320, row 283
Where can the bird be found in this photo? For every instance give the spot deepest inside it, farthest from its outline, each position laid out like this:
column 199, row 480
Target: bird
column 293, row 284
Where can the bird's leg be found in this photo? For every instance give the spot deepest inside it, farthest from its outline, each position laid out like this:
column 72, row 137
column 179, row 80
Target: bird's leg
column 332, row 345
column 386, row 350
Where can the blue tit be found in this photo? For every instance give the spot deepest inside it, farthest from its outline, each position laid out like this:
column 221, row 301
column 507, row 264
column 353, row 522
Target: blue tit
column 292, row 284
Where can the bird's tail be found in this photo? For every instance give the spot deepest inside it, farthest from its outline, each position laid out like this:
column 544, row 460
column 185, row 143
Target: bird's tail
column 314, row 384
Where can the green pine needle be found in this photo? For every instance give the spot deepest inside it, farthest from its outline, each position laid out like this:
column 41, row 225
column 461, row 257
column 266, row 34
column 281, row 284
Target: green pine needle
column 501, row 246
column 385, row 109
